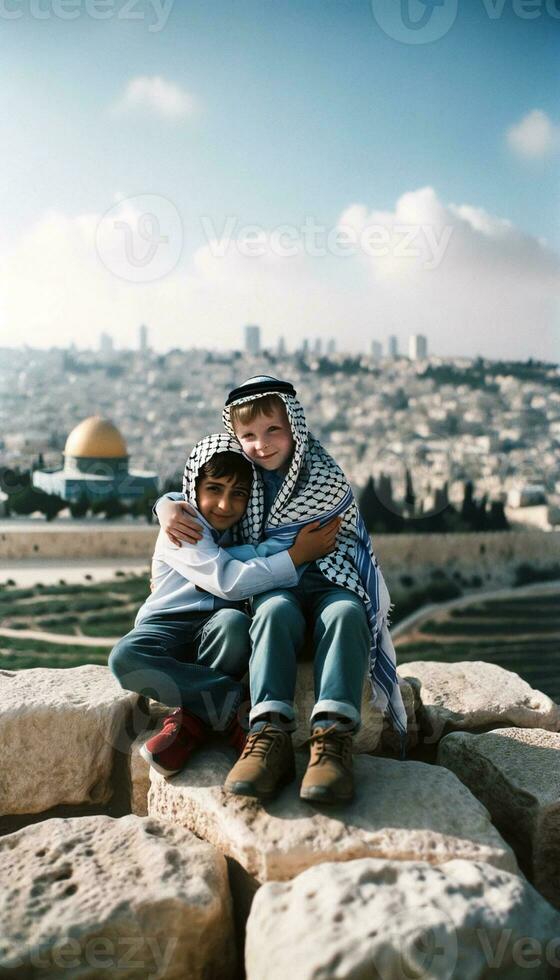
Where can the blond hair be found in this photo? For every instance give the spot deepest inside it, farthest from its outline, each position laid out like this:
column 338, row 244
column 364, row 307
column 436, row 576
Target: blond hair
column 243, row 414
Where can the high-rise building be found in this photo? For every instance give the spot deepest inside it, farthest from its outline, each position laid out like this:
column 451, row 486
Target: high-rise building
column 376, row 350
column 281, row 348
column 106, row 343
column 252, row 339
column 417, row 346
column 305, row 347
column 318, row 347
column 393, row 346
column 143, row 337
column 331, row 346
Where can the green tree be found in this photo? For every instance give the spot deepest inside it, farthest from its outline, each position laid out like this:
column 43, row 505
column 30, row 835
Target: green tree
column 80, row 507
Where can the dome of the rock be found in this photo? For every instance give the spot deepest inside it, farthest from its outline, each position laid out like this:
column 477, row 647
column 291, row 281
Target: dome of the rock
column 97, row 438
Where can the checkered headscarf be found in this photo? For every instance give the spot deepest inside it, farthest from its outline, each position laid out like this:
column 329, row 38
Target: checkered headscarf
column 314, row 486
column 218, row 442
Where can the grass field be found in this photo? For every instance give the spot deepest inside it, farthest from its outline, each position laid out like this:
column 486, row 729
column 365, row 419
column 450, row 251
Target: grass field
column 521, row 634
column 102, row 609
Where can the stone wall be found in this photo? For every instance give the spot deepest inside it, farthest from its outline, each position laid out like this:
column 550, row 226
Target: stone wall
column 441, row 868
column 491, row 557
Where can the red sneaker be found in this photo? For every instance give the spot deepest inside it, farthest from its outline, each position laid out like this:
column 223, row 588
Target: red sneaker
column 169, row 750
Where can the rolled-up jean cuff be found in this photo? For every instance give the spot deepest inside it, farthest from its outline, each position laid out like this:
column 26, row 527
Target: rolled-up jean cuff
column 341, row 708
column 279, row 707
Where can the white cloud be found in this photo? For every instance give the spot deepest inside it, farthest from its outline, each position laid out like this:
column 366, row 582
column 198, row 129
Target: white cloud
column 493, row 291
column 155, row 95
column 534, row 136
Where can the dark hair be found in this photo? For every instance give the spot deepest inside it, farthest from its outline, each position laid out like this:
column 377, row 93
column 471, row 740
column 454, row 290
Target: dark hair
column 227, row 463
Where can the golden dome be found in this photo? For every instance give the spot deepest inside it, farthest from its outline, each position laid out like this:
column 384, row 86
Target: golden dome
column 97, row 438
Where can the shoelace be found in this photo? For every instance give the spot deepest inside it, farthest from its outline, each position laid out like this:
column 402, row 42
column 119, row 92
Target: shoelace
column 259, row 743
column 326, row 745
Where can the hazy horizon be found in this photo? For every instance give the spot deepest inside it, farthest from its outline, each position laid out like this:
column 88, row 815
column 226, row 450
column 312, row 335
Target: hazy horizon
column 313, row 169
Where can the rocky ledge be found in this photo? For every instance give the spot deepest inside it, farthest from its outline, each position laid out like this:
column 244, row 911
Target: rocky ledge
column 445, row 865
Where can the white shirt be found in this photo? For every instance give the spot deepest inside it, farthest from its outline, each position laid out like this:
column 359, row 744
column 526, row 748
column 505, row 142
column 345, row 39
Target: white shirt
column 180, row 573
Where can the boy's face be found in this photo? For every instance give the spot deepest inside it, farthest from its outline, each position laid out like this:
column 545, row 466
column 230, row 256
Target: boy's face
column 222, row 500
column 268, row 439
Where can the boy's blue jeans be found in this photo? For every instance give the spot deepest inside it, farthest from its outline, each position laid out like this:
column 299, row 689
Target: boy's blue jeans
column 190, row 660
column 341, row 643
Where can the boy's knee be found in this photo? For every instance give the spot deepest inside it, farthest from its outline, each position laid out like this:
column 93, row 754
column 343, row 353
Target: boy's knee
column 119, row 658
column 234, row 624
column 276, row 606
column 348, row 615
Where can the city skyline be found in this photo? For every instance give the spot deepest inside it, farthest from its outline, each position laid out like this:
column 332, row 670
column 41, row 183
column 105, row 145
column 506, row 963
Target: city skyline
column 298, row 168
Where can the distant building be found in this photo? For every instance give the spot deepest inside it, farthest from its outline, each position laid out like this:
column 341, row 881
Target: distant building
column 528, row 495
column 376, row 350
column 143, row 338
column 95, row 466
column 252, row 339
column 106, row 343
column 417, row 347
column 281, row 348
column 331, row 347
column 305, row 347
column 318, row 347
column 393, row 346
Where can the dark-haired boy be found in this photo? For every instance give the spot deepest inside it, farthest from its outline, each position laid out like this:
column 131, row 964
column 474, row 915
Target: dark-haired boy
column 190, row 642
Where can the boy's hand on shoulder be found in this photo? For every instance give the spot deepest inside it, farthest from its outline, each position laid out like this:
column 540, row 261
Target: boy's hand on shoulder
column 177, row 519
column 314, row 541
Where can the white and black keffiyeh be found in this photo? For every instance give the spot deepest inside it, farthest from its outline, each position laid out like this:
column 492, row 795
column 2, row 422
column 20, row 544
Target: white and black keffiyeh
column 218, row 442
column 315, row 488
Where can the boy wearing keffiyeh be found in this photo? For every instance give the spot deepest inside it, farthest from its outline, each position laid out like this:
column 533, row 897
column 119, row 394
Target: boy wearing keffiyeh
column 190, row 642
column 342, row 596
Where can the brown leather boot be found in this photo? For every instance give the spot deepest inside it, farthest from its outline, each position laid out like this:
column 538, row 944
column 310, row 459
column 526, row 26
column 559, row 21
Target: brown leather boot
column 328, row 777
column 265, row 765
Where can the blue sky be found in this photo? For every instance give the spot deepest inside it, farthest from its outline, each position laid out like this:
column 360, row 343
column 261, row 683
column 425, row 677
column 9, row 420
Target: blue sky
column 299, row 109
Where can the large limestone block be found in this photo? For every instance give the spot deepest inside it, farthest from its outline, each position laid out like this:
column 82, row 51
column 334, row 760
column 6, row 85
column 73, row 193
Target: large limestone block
column 475, row 694
column 101, row 896
column 375, row 731
column 375, row 735
column 515, row 772
column 387, row 920
column 402, row 811
column 58, row 732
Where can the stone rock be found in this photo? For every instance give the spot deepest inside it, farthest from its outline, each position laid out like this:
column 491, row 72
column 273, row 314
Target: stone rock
column 402, row 811
column 375, row 733
column 113, row 897
column 463, row 920
column 475, row 695
column 58, row 732
column 515, row 772
column 139, row 776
